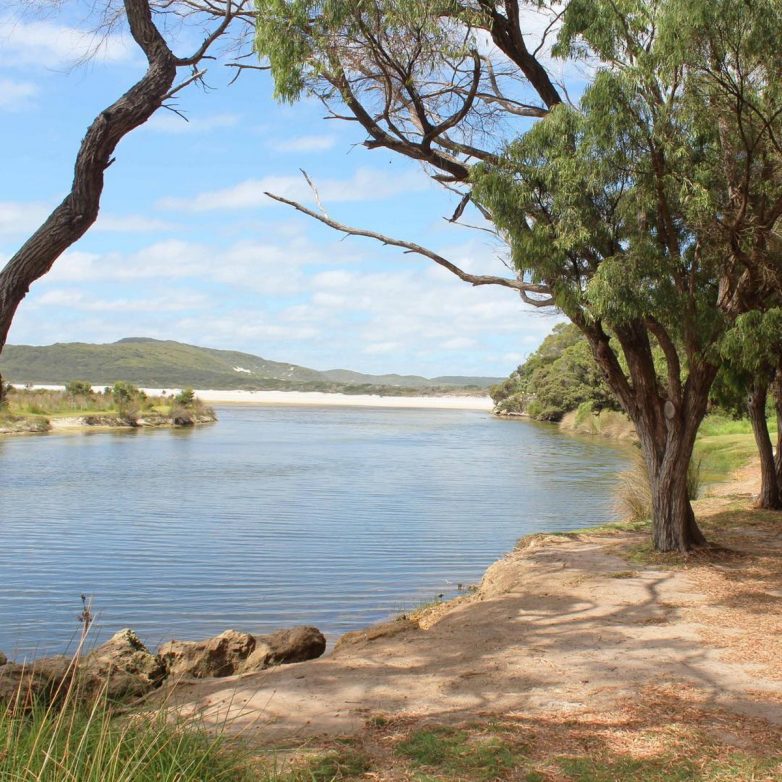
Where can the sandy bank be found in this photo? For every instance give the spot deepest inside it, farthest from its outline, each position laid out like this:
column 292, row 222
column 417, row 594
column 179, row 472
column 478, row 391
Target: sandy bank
column 320, row 399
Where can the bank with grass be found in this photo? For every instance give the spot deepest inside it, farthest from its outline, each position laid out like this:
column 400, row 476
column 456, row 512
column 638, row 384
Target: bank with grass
column 78, row 406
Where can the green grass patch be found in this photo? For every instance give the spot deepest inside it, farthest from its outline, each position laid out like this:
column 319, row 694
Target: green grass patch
column 345, row 763
column 456, row 752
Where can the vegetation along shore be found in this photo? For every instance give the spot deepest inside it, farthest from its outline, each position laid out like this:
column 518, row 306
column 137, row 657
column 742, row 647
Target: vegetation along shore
column 78, row 406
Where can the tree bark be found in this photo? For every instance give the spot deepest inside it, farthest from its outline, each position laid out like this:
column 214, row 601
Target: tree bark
column 769, row 497
column 776, row 391
column 79, row 209
column 667, row 461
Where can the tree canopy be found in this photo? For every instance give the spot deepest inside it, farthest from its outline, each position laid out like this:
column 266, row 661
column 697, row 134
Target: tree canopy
column 646, row 211
column 558, row 377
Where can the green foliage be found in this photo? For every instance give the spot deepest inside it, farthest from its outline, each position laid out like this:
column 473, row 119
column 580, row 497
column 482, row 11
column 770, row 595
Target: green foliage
column 78, row 388
column 124, row 394
column 561, row 375
column 751, row 352
column 296, row 36
column 185, row 397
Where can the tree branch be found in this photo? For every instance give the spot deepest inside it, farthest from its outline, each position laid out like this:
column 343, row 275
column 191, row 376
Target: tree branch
column 524, row 288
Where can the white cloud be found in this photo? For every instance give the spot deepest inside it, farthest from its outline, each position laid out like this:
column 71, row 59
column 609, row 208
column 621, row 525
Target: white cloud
column 305, row 144
column 366, row 184
column 18, row 218
column 168, row 122
column 131, row 224
column 293, row 300
column 78, row 300
column 46, row 44
column 16, row 95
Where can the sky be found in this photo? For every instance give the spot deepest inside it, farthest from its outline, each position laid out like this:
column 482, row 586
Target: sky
column 188, row 248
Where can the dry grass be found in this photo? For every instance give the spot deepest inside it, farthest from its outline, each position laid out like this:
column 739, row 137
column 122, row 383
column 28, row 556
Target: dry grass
column 744, row 588
column 668, row 733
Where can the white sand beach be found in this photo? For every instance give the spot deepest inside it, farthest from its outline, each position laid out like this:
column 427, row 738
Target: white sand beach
column 315, row 398
column 320, row 399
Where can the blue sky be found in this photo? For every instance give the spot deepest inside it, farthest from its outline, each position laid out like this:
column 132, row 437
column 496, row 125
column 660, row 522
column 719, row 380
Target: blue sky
column 188, row 248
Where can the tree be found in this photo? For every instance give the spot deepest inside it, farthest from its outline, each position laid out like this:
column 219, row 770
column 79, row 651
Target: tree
column 558, row 377
column 752, row 353
column 71, row 219
column 647, row 213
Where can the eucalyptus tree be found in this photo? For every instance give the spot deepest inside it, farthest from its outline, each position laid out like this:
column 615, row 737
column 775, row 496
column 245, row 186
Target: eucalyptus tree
column 647, row 211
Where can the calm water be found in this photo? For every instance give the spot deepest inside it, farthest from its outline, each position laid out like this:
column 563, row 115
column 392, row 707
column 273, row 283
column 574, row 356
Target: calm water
column 275, row 516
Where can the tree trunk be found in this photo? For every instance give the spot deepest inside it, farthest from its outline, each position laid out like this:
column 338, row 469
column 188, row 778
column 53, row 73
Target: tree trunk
column 776, row 390
column 769, row 496
column 666, row 427
column 673, row 522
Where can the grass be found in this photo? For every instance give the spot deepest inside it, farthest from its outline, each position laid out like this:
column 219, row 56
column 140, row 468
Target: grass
column 93, row 743
column 458, row 753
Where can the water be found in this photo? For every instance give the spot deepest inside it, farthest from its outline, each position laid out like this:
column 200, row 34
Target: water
column 275, row 516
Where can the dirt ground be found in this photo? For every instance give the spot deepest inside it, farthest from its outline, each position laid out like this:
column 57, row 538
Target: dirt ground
column 566, row 629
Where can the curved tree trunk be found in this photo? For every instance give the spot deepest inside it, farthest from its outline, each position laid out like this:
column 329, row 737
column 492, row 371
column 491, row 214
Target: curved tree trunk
column 769, row 496
column 79, row 209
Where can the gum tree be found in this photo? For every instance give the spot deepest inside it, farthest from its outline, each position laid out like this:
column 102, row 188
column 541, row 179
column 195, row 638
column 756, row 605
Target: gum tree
column 647, row 212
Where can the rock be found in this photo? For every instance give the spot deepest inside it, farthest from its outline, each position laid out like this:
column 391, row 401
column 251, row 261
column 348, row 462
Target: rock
column 259, row 659
column 382, row 630
column 295, row 645
column 125, row 665
column 43, row 680
column 222, row 655
column 3, row 659
column 285, row 646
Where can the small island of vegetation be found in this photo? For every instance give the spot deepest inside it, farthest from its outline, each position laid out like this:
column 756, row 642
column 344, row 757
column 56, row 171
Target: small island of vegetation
column 122, row 405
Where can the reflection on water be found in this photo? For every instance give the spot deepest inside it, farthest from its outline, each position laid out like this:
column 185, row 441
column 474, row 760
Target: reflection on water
column 275, row 516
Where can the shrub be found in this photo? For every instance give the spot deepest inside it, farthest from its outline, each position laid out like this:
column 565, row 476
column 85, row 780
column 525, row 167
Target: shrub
column 78, row 388
column 185, row 397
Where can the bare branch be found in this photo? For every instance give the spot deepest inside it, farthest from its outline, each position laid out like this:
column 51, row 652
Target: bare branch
column 524, row 288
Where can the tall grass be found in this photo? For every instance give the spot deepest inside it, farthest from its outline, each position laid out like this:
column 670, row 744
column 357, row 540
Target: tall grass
column 633, row 496
column 77, row 741
column 44, row 402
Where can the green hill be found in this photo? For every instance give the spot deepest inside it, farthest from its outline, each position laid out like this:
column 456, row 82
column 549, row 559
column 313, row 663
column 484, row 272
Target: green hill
column 166, row 364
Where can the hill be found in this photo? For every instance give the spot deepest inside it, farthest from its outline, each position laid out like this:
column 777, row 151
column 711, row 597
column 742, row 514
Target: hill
column 168, row 364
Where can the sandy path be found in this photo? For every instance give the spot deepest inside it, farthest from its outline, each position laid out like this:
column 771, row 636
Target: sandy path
column 562, row 625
